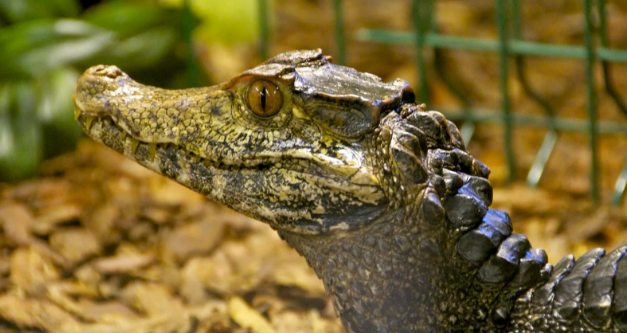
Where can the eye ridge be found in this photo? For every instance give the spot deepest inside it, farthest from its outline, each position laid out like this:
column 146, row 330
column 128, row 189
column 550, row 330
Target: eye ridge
column 264, row 98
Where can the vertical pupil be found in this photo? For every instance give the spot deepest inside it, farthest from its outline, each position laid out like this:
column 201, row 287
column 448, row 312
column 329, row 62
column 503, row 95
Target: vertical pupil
column 263, row 93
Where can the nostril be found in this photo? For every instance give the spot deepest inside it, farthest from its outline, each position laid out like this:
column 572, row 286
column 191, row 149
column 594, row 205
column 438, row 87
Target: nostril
column 107, row 71
column 95, row 69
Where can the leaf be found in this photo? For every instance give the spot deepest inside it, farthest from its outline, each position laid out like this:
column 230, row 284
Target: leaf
column 32, row 48
column 132, row 18
column 37, row 78
column 20, row 141
column 141, row 51
column 60, row 130
column 228, row 22
column 24, row 10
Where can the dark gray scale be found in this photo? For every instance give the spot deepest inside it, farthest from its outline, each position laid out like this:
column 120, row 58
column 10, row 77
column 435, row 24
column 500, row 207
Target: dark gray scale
column 435, row 161
column 432, row 210
column 530, row 268
column 544, row 294
column 480, row 186
column 476, row 246
column 452, row 181
column 404, row 148
column 479, row 169
column 454, row 159
column 448, row 158
column 465, row 160
column 502, row 266
column 456, row 137
column 620, row 297
column 480, row 243
column 417, row 144
column 408, row 140
column 597, row 290
column 409, row 165
column 459, row 160
column 466, row 208
column 568, row 292
column 499, row 220
column 444, row 134
column 429, row 126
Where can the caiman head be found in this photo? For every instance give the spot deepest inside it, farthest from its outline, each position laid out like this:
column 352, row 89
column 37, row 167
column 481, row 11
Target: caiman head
column 349, row 170
column 286, row 142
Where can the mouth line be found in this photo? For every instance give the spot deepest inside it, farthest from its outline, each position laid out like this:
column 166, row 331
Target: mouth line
column 162, row 149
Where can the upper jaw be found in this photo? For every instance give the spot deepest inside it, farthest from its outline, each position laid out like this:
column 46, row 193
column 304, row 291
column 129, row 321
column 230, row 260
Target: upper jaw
column 96, row 86
column 126, row 116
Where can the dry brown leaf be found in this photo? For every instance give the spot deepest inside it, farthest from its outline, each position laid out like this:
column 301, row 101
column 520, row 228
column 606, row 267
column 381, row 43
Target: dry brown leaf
column 123, row 263
column 33, row 313
column 30, row 270
column 247, row 317
column 152, row 299
column 193, row 238
column 75, row 244
column 54, row 215
column 16, row 221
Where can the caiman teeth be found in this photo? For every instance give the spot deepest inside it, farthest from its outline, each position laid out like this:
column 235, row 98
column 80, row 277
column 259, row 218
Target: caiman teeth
column 88, row 122
column 152, row 148
column 77, row 111
column 134, row 144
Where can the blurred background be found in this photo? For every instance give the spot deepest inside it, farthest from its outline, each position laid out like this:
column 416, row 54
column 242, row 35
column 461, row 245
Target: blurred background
column 539, row 90
column 532, row 97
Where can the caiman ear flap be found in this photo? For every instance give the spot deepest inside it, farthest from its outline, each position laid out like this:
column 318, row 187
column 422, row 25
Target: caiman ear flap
column 347, row 102
column 350, row 119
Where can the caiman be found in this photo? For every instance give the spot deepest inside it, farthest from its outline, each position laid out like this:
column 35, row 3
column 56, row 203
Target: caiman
column 377, row 193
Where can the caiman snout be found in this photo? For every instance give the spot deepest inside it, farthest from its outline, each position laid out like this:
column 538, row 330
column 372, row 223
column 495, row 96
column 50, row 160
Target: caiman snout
column 95, row 86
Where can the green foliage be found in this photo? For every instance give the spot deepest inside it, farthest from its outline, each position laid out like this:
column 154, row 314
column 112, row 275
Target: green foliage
column 46, row 43
column 227, row 22
column 25, row 10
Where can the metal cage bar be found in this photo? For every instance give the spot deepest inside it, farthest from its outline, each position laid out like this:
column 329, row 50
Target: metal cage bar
column 517, row 48
column 435, row 39
column 621, row 182
column 425, row 35
column 550, row 138
column 467, row 129
column 420, row 14
column 340, row 36
column 592, row 102
column 264, row 28
column 502, row 14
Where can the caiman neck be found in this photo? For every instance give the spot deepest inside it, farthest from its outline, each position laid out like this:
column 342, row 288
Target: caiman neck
column 406, row 273
column 438, row 260
column 384, row 277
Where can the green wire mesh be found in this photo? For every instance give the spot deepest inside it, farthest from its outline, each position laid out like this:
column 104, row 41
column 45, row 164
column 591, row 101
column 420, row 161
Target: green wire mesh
column 509, row 46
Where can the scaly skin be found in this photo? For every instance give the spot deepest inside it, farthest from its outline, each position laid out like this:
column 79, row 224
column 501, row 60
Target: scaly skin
column 379, row 195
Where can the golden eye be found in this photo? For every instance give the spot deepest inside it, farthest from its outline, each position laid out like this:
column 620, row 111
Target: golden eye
column 264, row 98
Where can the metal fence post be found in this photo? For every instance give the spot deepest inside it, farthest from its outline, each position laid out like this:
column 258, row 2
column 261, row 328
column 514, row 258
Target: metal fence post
column 592, row 103
column 501, row 21
column 264, row 29
column 340, row 39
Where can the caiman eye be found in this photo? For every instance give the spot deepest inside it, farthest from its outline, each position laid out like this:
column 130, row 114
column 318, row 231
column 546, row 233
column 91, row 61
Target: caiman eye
column 264, row 98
